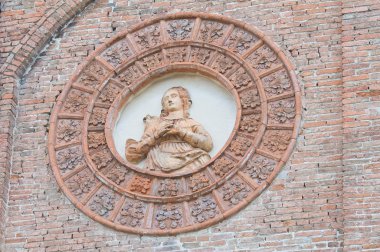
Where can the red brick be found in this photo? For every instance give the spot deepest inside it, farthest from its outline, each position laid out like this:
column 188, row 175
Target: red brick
column 332, row 174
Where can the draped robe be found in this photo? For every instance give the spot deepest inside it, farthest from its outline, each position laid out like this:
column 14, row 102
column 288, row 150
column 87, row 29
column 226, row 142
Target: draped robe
column 171, row 152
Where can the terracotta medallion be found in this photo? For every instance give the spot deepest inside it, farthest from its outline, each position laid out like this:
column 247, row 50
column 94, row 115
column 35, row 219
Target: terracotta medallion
column 188, row 189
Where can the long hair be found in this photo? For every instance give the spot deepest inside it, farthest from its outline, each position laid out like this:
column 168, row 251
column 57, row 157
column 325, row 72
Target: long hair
column 185, row 98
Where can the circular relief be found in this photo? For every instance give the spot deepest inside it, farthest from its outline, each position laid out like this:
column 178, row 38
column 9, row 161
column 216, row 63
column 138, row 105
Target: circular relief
column 213, row 107
column 156, row 198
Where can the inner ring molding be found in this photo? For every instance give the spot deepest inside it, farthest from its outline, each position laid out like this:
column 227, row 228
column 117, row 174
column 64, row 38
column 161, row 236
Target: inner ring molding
column 143, row 82
column 126, row 94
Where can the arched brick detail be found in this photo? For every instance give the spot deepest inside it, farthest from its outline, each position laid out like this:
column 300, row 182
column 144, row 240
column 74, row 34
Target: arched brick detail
column 15, row 65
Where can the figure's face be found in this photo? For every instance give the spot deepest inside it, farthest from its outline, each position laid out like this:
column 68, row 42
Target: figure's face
column 172, row 101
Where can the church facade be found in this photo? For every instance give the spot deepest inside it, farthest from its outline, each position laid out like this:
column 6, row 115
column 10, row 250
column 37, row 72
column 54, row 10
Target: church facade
column 296, row 170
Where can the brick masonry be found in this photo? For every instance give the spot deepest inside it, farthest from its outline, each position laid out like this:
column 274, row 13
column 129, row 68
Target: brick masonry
column 361, row 84
column 325, row 199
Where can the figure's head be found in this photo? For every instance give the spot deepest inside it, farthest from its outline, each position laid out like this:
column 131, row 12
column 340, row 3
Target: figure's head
column 175, row 99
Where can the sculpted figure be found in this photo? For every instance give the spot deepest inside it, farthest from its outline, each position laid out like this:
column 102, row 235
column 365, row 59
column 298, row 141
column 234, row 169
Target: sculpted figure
column 173, row 140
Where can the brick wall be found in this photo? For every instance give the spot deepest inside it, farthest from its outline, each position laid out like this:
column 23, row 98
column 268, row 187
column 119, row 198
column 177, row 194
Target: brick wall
column 361, row 110
column 25, row 28
column 326, row 197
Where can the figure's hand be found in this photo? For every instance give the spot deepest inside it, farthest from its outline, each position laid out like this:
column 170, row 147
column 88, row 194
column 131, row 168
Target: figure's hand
column 163, row 128
column 176, row 131
column 142, row 147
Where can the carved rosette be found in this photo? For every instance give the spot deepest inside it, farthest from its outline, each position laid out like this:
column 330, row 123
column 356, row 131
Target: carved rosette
column 129, row 75
column 81, row 183
column 198, row 181
column 211, row 32
column 223, row 166
column 147, row 37
column 132, row 214
column 70, row 158
column 203, row 209
column 179, row 29
column 123, row 196
column 177, row 54
column 140, row 185
column 117, row 174
column 76, row 102
column 96, row 140
column 260, row 168
column 234, row 192
column 200, row 55
column 263, row 59
column 152, row 61
column 98, row 117
column 117, row 53
column 169, row 216
column 68, row 131
column 240, row 41
column 101, row 159
column 168, row 188
column 103, row 202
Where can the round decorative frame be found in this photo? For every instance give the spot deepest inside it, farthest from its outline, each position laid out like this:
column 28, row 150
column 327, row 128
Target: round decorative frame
column 125, row 197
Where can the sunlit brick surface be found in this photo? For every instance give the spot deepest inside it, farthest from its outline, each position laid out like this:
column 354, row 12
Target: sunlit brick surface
column 326, row 198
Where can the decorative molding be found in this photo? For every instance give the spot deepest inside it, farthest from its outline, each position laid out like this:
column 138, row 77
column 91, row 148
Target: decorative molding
column 128, row 198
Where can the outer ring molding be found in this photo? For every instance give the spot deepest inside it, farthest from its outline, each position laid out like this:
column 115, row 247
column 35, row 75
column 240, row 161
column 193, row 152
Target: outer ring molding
column 127, row 198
